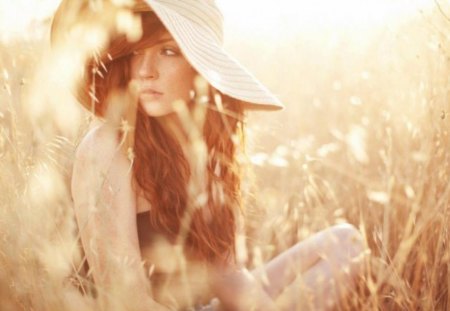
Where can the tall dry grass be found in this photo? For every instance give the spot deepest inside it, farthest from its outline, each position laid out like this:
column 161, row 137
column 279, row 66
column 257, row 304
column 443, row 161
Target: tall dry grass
column 364, row 139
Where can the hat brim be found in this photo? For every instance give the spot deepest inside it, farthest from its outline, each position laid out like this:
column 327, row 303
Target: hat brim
column 208, row 57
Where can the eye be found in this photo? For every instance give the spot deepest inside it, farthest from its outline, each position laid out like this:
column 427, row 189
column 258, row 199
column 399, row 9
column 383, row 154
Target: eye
column 169, row 51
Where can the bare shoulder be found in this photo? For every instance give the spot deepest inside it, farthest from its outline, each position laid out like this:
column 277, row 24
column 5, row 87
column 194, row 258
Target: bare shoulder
column 100, row 148
column 100, row 142
column 99, row 157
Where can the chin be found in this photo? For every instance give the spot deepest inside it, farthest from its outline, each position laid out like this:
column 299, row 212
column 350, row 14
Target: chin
column 156, row 109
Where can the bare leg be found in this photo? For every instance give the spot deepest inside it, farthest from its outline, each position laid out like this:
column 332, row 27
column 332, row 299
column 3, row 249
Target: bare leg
column 306, row 273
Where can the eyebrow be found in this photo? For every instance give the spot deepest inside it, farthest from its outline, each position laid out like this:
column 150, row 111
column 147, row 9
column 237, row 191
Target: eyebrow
column 143, row 46
column 164, row 40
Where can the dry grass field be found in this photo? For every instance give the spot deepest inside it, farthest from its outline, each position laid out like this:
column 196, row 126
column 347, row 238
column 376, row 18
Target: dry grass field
column 364, row 139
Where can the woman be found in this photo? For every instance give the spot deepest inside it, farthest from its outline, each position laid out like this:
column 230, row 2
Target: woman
column 156, row 184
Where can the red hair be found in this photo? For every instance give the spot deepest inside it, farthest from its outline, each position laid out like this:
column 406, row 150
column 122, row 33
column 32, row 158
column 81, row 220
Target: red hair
column 162, row 172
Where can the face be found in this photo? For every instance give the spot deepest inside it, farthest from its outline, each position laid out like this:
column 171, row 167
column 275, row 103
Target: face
column 163, row 75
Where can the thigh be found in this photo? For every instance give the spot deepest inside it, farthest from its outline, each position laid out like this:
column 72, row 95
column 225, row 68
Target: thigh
column 326, row 245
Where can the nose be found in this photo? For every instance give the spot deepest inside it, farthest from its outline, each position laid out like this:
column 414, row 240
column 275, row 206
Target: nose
column 148, row 67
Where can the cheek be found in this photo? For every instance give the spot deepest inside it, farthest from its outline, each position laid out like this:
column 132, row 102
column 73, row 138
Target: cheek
column 188, row 78
column 183, row 80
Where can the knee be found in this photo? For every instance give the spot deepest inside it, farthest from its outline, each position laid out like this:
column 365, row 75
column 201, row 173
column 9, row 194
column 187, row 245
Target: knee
column 349, row 239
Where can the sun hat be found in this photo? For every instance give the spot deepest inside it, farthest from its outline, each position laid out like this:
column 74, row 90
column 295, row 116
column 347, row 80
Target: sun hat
column 197, row 27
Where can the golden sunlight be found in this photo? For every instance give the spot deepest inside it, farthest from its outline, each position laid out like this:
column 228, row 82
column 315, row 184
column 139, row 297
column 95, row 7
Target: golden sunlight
column 259, row 17
column 361, row 149
column 264, row 16
column 17, row 17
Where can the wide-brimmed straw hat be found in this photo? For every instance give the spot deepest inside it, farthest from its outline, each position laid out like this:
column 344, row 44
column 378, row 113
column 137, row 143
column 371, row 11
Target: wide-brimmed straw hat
column 197, row 27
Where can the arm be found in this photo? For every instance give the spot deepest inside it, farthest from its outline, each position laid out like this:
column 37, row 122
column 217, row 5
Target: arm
column 105, row 209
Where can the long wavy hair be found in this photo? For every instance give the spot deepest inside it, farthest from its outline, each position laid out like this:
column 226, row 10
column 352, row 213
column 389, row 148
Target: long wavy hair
column 161, row 169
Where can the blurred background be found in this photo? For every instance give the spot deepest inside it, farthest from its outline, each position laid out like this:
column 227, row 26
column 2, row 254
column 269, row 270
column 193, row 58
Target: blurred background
column 363, row 139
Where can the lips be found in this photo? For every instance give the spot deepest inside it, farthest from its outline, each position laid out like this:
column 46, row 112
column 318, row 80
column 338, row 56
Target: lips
column 149, row 94
column 150, row 91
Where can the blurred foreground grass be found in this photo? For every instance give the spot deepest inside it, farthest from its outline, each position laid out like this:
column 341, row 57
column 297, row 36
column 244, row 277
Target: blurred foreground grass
column 364, row 139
